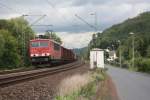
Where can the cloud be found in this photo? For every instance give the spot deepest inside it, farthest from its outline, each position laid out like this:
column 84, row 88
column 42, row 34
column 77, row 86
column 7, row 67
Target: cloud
column 61, row 14
column 75, row 40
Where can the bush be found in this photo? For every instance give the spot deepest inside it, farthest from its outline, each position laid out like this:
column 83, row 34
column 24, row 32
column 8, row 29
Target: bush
column 142, row 64
column 137, row 62
column 126, row 63
column 89, row 90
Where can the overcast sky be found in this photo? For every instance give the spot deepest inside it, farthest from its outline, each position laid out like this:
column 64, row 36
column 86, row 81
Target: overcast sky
column 61, row 14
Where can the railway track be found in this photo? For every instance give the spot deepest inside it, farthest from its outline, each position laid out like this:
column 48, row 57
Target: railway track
column 14, row 78
column 35, row 67
column 14, row 71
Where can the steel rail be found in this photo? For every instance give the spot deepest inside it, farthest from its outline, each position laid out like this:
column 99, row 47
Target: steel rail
column 17, row 78
column 34, row 67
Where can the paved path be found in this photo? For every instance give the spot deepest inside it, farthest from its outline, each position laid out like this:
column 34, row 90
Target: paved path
column 130, row 85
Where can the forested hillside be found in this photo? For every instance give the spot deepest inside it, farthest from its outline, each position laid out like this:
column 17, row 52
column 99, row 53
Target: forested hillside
column 81, row 52
column 118, row 38
column 12, row 51
column 139, row 25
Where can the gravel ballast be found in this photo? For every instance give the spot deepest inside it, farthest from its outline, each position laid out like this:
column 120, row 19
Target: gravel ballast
column 39, row 89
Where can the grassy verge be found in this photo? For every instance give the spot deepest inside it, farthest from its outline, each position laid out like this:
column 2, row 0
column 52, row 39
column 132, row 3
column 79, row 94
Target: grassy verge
column 80, row 87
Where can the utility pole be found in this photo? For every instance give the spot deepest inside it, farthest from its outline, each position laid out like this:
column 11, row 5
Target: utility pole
column 94, row 40
column 95, row 27
column 50, row 33
column 47, row 30
column 91, row 26
column 132, row 48
column 24, row 36
column 95, row 20
column 120, row 53
column 23, row 43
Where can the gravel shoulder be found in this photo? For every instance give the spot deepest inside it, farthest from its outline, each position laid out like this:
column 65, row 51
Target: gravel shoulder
column 107, row 90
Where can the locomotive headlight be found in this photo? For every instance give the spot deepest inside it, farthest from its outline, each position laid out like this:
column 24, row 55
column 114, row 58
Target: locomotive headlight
column 48, row 54
column 31, row 55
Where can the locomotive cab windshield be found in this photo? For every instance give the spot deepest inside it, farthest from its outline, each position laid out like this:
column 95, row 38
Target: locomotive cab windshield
column 39, row 44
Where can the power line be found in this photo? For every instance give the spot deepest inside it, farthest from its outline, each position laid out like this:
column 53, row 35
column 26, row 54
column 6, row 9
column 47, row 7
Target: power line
column 43, row 25
column 62, row 16
column 52, row 5
column 85, row 21
column 5, row 6
column 92, row 26
column 38, row 20
column 24, row 36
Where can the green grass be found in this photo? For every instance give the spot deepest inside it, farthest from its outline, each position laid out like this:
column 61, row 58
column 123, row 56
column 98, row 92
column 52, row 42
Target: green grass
column 88, row 91
column 85, row 92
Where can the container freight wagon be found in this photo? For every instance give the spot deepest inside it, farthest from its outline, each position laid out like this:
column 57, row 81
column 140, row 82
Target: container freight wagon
column 48, row 51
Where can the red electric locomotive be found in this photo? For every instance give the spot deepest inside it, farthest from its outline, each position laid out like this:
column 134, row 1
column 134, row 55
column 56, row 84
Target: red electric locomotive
column 47, row 50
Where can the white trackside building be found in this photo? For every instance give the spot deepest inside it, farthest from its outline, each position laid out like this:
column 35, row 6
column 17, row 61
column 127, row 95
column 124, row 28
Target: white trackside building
column 96, row 58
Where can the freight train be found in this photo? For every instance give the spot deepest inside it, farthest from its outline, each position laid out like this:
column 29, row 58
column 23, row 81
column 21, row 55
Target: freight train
column 49, row 51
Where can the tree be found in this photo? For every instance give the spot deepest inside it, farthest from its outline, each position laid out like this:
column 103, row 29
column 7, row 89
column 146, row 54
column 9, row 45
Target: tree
column 2, row 44
column 53, row 36
column 22, row 32
column 9, row 57
column 148, row 51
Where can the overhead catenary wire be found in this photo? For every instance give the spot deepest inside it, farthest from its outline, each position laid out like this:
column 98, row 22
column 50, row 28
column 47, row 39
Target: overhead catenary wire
column 85, row 21
column 15, row 11
column 42, row 25
column 37, row 20
column 3, row 5
column 10, row 8
column 92, row 26
column 62, row 15
column 23, row 33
